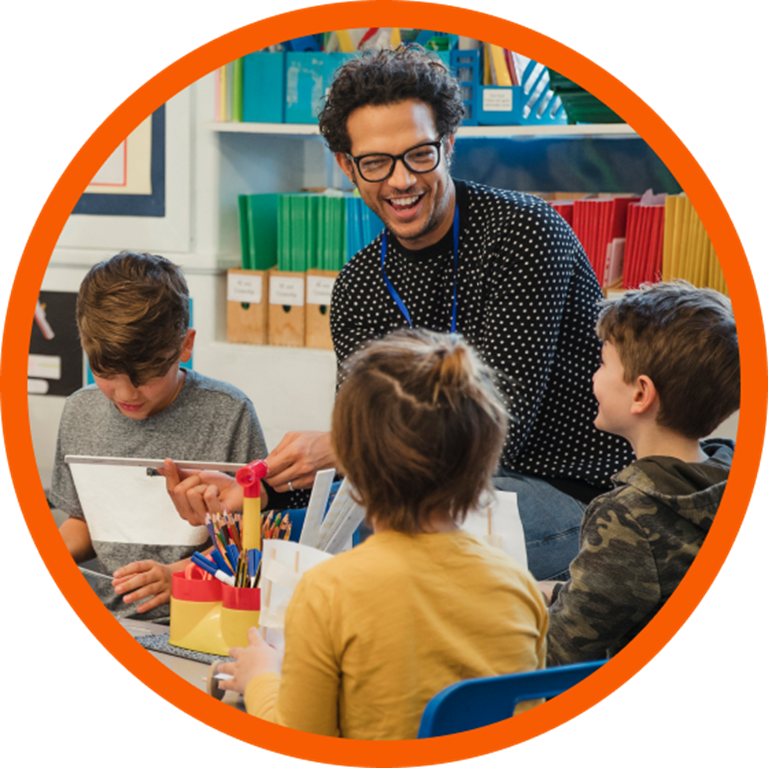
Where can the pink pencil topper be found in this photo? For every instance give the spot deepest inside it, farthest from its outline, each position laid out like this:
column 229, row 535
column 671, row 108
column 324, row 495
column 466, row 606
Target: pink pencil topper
column 250, row 477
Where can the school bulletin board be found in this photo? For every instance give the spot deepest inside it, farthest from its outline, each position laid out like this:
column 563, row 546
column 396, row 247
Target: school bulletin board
column 689, row 76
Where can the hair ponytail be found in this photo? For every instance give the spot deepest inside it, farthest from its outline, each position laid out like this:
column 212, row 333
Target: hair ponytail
column 418, row 426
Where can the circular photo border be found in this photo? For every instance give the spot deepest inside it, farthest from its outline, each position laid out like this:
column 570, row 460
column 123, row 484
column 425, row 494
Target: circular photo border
column 180, row 75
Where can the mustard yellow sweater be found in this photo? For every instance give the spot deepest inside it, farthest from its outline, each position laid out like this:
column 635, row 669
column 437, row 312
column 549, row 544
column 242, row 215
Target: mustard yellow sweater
column 372, row 634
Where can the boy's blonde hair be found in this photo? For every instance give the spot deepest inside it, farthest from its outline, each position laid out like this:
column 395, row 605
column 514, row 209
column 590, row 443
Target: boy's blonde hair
column 133, row 315
column 418, row 427
column 684, row 339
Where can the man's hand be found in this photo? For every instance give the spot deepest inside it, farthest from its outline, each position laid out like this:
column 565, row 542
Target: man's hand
column 297, row 459
column 196, row 493
column 248, row 662
column 141, row 580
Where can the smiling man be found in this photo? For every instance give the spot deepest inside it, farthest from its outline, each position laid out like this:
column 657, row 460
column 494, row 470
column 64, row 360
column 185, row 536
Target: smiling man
column 499, row 267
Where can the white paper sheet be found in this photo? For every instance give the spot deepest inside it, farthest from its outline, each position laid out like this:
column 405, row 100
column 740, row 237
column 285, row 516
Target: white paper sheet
column 506, row 528
column 282, row 565
column 321, row 490
column 124, row 504
column 341, row 521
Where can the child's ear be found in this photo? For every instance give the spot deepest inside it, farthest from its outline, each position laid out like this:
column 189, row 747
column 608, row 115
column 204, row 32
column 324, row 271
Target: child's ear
column 645, row 396
column 187, row 346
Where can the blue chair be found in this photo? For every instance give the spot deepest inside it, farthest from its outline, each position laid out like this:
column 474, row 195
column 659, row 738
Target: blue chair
column 474, row 703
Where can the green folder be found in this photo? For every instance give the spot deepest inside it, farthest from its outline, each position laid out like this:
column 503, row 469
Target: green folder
column 263, row 230
column 284, row 233
column 312, row 231
column 243, row 207
column 310, row 257
column 338, row 240
column 322, row 225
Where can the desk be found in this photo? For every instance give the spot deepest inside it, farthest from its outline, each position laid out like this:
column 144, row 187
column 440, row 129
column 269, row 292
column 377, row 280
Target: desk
column 193, row 672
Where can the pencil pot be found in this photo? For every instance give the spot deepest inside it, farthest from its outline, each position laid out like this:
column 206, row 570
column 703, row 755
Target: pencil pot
column 240, row 610
column 196, row 615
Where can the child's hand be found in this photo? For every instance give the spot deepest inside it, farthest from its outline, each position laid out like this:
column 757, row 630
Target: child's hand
column 257, row 658
column 196, row 493
column 144, row 579
column 547, row 587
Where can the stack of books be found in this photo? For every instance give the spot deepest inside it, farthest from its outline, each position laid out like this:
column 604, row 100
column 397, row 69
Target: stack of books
column 601, row 226
column 298, row 231
column 645, row 242
column 634, row 240
column 688, row 252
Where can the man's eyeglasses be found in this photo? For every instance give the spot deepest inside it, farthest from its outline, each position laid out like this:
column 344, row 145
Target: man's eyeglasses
column 378, row 167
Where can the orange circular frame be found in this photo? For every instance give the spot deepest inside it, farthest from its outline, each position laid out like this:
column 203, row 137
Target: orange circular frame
column 178, row 76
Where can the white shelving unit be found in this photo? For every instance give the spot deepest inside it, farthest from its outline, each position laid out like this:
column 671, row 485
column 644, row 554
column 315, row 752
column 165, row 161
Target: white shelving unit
column 278, row 157
column 479, row 131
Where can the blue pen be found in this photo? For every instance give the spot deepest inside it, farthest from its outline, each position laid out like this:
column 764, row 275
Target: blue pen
column 221, row 562
column 209, row 567
column 234, row 556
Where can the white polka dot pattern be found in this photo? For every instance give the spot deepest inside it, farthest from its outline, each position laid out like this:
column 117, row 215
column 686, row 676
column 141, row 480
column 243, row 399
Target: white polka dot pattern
column 527, row 301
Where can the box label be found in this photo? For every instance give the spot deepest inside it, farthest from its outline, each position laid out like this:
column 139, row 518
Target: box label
column 286, row 290
column 319, row 289
column 497, row 99
column 243, row 288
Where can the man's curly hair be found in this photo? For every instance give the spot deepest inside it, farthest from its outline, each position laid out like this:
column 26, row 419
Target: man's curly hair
column 388, row 77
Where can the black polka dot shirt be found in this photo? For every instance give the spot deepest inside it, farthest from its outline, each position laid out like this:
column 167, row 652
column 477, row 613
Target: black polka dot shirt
column 527, row 301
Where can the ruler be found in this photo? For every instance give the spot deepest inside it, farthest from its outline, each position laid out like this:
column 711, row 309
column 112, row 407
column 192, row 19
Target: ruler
column 118, row 461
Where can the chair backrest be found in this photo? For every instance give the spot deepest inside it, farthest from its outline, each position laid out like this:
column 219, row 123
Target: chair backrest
column 474, row 703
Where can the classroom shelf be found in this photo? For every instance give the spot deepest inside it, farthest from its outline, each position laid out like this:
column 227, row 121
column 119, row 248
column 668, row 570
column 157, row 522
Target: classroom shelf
column 283, row 129
column 480, row 131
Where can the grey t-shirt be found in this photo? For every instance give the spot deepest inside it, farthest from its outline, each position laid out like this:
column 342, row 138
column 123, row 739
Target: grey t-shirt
column 208, row 421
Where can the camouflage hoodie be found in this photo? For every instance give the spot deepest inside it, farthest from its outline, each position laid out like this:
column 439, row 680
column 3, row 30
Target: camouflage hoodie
column 637, row 543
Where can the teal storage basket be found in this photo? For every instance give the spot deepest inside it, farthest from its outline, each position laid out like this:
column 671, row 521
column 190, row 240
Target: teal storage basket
column 307, row 77
column 264, row 87
column 532, row 103
column 466, row 66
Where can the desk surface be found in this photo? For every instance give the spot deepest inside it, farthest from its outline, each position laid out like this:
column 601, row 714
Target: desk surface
column 193, row 672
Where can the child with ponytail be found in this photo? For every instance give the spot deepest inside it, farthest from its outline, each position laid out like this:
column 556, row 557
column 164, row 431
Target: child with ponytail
column 373, row 633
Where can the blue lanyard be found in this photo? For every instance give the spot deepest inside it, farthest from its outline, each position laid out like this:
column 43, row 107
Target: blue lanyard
column 396, row 296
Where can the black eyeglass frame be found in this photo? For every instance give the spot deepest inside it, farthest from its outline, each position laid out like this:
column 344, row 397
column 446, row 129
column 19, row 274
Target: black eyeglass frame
column 394, row 158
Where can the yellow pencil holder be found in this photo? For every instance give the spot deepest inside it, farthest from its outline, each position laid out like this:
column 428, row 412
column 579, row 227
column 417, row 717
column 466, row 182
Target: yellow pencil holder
column 196, row 606
column 240, row 610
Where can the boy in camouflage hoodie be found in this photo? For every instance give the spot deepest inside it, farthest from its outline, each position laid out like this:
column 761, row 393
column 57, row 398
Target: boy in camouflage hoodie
column 669, row 376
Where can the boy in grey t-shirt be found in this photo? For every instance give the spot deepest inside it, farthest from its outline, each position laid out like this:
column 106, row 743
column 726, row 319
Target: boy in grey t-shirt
column 133, row 318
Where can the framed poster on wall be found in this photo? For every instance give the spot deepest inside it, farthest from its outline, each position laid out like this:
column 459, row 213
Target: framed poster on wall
column 100, row 227
column 132, row 180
